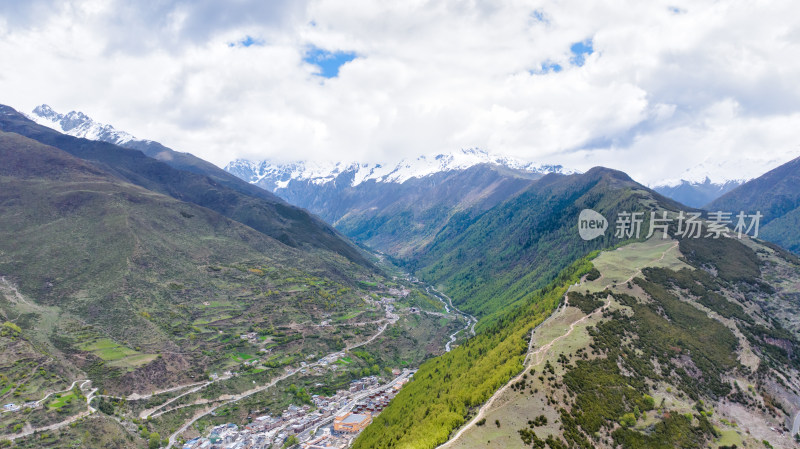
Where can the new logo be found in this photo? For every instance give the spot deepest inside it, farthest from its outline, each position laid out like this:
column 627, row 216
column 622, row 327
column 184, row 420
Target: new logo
column 591, row 224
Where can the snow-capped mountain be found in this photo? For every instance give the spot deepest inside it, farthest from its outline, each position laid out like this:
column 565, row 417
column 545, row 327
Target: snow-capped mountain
column 78, row 124
column 697, row 194
column 274, row 176
column 396, row 208
column 703, row 183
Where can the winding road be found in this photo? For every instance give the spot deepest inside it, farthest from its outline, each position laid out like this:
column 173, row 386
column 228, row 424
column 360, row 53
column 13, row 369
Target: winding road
column 391, row 318
column 60, row 424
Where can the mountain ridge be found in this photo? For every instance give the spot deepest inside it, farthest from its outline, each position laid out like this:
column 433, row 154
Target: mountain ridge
column 78, row 124
column 776, row 195
column 231, row 197
column 275, row 176
column 697, row 193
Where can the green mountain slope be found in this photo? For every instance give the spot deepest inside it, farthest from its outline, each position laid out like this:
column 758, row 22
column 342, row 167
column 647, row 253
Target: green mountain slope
column 262, row 212
column 512, row 265
column 137, row 266
column 401, row 218
column 670, row 344
column 493, row 261
column 108, row 288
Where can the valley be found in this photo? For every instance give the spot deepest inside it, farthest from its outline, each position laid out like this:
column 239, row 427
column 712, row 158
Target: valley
column 399, row 225
column 196, row 402
column 151, row 302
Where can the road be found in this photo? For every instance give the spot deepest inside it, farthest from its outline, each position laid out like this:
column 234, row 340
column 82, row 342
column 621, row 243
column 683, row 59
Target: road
column 154, row 412
column 58, row 425
column 235, row 398
column 390, row 319
column 352, row 403
column 137, row 396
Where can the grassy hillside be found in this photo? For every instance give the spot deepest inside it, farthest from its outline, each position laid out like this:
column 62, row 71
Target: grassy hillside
column 512, row 265
column 151, row 273
column 137, row 291
column 191, row 163
column 446, row 389
column 263, row 212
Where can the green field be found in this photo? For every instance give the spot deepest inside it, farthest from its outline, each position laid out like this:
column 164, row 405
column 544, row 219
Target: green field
column 730, row 438
column 623, row 263
column 119, row 355
column 349, row 316
column 61, row 401
column 216, row 304
column 213, row 319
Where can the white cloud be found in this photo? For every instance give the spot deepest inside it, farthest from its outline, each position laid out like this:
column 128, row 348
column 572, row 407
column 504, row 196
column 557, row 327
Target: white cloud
column 663, row 92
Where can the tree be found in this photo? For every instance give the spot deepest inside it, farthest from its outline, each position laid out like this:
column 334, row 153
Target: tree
column 649, row 402
column 627, row 420
column 155, row 440
column 291, row 441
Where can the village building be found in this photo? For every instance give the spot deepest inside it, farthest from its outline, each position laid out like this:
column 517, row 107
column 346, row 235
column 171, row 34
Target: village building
column 351, row 422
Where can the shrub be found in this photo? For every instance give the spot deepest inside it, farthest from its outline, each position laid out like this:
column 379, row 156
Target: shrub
column 627, row 420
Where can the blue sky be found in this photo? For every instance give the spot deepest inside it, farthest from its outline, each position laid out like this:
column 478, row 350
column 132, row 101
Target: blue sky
column 580, row 50
column 247, row 41
column 327, row 61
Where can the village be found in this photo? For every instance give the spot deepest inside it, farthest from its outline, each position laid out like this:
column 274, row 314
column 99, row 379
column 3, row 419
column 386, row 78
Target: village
column 332, row 422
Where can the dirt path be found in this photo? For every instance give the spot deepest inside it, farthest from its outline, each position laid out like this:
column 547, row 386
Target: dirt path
column 154, row 412
column 11, row 292
column 196, row 386
column 532, row 359
column 536, row 357
column 639, row 271
column 89, row 410
column 83, row 382
column 796, row 425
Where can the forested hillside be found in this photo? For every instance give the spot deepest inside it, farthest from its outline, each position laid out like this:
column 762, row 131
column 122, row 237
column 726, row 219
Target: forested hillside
column 664, row 344
column 496, row 260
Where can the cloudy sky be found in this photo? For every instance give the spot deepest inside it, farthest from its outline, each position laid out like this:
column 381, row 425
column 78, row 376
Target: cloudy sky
column 662, row 90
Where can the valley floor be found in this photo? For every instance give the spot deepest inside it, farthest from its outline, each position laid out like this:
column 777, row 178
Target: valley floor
column 182, row 407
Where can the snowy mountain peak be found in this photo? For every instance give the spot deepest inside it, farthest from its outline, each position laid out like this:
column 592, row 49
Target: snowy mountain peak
column 46, row 112
column 275, row 176
column 78, row 124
